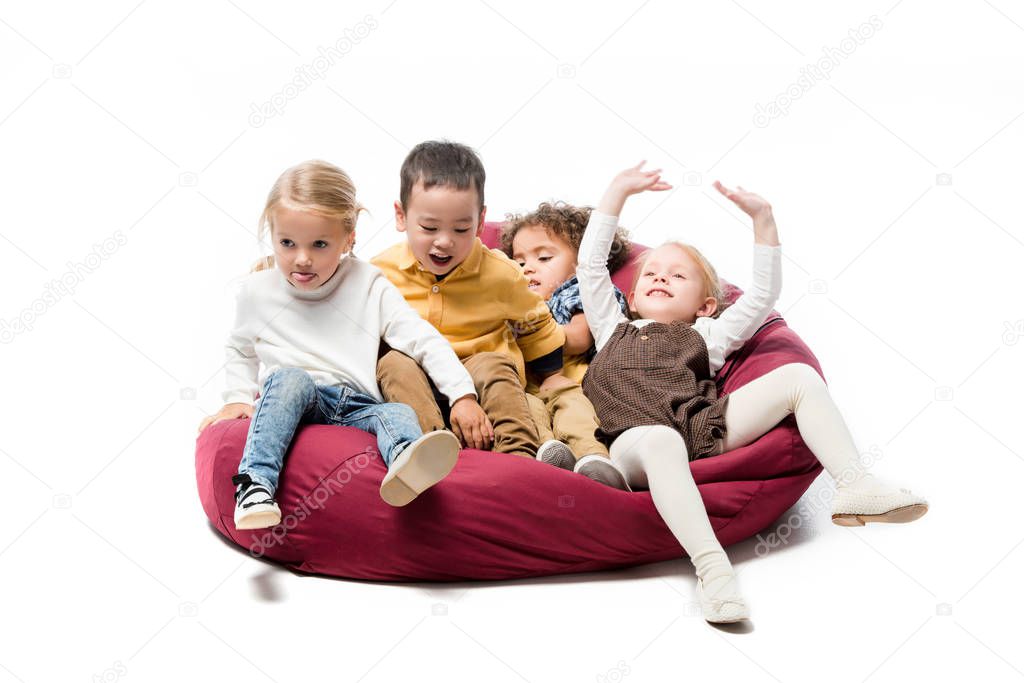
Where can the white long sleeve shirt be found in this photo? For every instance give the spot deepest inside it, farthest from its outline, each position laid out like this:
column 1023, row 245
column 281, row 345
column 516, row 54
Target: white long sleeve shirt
column 723, row 335
column 333, row 333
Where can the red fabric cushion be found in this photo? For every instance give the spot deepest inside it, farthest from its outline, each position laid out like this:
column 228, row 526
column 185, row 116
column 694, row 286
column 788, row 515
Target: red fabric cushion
column 500, row 516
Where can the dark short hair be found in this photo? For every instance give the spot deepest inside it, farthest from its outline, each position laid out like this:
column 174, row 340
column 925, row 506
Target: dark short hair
column 444, row 163
column 568, row 222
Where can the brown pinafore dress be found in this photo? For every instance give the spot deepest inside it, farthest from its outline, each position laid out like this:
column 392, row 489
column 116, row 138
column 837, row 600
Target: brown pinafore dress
column 657, row 375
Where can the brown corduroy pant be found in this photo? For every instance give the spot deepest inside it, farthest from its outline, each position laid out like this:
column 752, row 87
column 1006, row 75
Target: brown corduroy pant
column 498, row 389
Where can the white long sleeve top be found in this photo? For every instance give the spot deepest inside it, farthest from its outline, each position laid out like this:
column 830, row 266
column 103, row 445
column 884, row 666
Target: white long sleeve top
column 332, row 332
column 723, row 335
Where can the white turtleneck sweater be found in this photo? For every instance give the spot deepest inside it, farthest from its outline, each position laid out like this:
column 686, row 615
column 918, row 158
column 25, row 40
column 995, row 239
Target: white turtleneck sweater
column 333, row 333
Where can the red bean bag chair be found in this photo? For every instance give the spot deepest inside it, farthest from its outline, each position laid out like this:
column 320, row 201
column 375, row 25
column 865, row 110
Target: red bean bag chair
column 499, row 516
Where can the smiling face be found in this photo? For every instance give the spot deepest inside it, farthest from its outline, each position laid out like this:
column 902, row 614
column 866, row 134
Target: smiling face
column 308, row 246
column 670, row 287
column 442, row 225
column 547, row 259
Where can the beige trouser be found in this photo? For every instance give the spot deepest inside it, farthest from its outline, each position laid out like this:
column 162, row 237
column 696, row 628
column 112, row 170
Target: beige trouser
column 567, row 415
column 498, row 389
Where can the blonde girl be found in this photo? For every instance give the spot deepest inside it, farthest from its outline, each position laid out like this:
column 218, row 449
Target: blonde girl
column 652, row 385
column 308, row 325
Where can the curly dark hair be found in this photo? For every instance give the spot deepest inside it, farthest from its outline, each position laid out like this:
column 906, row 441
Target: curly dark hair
column 568, row 222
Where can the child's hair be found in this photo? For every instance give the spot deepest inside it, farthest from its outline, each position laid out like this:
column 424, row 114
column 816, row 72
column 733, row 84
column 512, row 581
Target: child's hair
column 444, row 163
column 315, row 186
column 568, row 222
column 712, row 285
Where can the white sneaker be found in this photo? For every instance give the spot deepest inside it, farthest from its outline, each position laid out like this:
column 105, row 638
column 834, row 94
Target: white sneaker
column 556, row 454
column 603, row 470
column 873, row 501
column 255, row 508
column 423, row 463
column 726, row 606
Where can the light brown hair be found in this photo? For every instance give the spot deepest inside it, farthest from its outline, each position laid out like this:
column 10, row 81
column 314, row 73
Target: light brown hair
column 315, row 186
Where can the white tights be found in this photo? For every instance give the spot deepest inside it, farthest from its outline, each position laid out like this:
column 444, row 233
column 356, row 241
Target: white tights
column 655, row 457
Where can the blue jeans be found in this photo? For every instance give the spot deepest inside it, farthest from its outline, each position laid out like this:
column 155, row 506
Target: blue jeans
column 290, row 397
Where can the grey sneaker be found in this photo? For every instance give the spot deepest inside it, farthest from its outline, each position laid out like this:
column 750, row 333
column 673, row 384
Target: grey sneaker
column 255, row 507
column 601, row 469
column 556, row 454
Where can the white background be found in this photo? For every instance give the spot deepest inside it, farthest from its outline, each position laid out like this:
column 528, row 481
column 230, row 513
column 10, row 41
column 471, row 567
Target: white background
column 896, row 184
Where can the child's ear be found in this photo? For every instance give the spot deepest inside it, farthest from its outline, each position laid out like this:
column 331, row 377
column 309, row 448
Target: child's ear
column 351, row 241
column 630, row 301
column 399, row 217
column 708, row 309
column 480, row 225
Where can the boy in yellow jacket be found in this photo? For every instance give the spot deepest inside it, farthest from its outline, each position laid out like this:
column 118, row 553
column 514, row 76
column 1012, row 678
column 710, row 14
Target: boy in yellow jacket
column 476, row 297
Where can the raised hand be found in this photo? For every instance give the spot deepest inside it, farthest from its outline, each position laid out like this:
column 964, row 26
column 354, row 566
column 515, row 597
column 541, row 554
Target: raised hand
column 629, row 182
column 758, row 208
column 751, row 204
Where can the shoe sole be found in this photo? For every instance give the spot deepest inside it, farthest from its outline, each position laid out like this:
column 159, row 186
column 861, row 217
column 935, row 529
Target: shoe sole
column 604, row 474
column 259, row 517
column 731, row 619
column 901, row 515
column 564, row 460
column 433, row 458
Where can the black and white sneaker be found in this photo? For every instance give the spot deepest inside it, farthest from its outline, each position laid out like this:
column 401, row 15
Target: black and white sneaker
column 556, row 454
column 601, row 469
column 255, row 508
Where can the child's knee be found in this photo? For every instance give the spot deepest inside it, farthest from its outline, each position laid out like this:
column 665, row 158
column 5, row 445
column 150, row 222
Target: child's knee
column 395, row 364
column 801, row 374
column 650, row 441
column 660, row 439
column 404, row 413
column 488, row 366
column 556, row 385
column 494, row 360
column 292, row 382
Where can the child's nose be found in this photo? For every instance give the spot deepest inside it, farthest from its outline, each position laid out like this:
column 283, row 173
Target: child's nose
column 443, row 242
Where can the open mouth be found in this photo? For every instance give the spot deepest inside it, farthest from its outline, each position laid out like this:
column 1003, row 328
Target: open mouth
column 533, row 284
column 303, row 277
column 440, row 260
column 659, row 292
